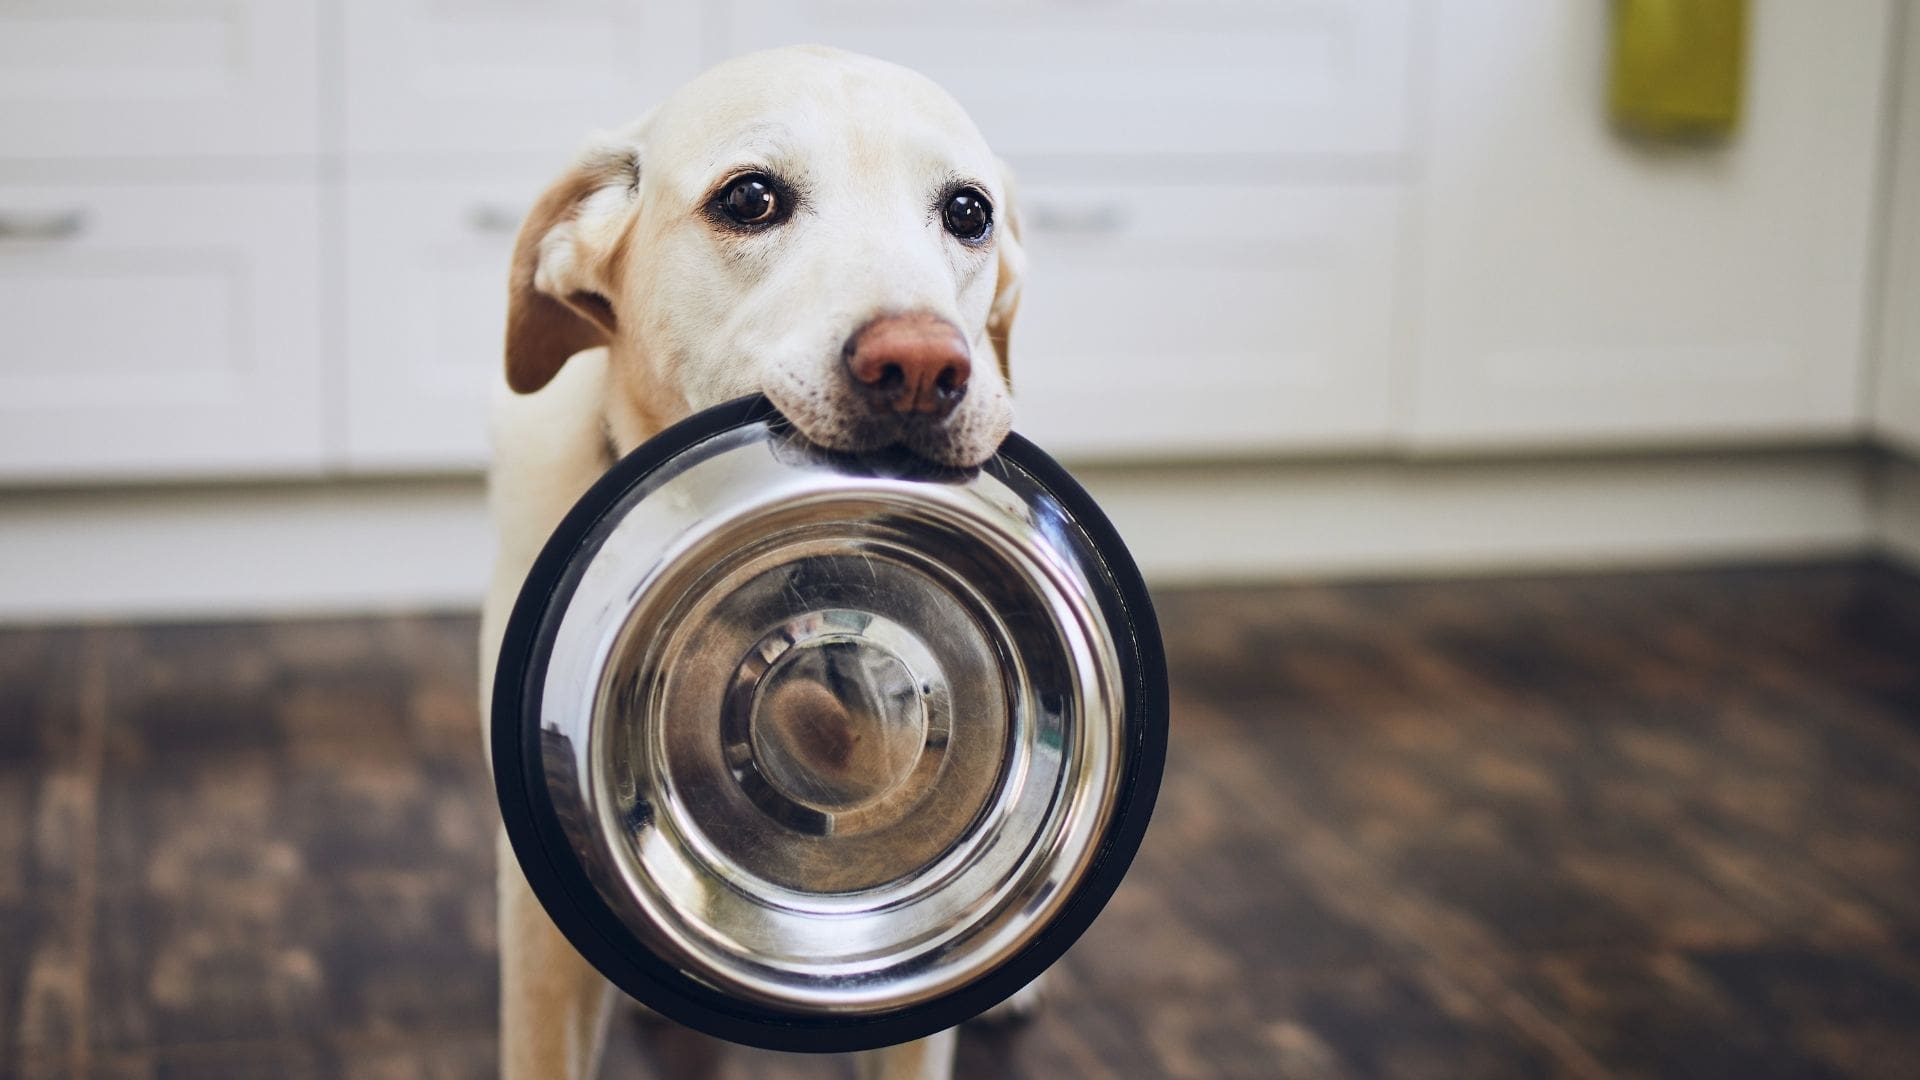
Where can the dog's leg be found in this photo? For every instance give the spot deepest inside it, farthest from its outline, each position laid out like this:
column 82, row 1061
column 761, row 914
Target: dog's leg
column 680, row 1053
column 553, row 1005
column 930, row 1058
column 1024, row 1005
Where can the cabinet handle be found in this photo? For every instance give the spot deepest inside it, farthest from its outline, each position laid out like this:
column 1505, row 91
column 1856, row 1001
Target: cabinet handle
column 1104, row 219
column 49, row 225
column 494, row 219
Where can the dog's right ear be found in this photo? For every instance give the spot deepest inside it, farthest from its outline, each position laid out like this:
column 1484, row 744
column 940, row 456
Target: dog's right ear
column 559, row 293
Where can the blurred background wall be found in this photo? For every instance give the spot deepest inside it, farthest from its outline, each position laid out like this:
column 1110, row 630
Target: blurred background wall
column 1317, row 287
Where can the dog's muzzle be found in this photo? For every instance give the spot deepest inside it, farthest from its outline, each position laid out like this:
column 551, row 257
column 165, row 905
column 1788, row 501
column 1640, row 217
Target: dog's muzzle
column 818, row 751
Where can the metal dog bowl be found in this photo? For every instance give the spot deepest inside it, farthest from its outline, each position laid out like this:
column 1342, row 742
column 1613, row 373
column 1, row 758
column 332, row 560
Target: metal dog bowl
column 818, row 751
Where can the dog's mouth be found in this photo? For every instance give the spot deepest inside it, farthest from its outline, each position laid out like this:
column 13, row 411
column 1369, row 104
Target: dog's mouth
column 880, row 439
column 889, row 460
column 952, row 441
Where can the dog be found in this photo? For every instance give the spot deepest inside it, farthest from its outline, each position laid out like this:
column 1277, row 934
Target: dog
column 825, row 228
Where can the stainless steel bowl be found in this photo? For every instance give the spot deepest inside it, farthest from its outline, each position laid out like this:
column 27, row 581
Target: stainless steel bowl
column 820, row 751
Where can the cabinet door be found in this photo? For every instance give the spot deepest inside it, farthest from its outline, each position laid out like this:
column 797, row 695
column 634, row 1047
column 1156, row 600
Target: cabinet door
column 174, row 78
column 426, row 291
column 1576, row 287
column 1136, row 77
column 509, row 76
column 160, row 331
column 1897, row 395
column 1202, row 319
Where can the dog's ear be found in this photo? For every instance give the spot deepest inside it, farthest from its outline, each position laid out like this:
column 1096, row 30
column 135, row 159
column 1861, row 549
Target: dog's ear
column 1012, row 271
column 558, row 294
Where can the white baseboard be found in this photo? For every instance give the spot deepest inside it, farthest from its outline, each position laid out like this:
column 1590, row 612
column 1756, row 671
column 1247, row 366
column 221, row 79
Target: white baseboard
column 1898, row 525
column 1422, row 518
column 423, row 544
column 216, row 552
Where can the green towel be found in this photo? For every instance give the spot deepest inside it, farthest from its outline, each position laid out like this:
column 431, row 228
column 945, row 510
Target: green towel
column 1677, row 67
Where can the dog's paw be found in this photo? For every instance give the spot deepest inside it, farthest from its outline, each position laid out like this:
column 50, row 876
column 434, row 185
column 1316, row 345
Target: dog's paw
column 1024, row 1005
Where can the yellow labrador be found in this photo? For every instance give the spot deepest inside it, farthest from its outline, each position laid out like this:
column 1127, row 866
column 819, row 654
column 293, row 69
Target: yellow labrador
column 823, row 227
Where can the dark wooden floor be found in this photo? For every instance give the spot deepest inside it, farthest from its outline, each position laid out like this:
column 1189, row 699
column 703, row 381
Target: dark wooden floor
column 1625, row 825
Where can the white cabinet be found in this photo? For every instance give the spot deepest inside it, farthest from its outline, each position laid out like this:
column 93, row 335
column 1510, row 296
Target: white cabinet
column 426, row 291
column 158, row 78
column 509, row 76
column 1206, row 319
column 1897, row 391
column 157, row 330
column 1142, row 78
column 167, row 322
column 1577, row 288
column 1255, row 225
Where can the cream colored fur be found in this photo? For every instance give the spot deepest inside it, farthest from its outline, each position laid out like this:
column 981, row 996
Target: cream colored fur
column 631, row 309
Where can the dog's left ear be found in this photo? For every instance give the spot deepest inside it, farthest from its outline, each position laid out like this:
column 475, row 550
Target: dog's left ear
column 1012, row 271
column 558, row 292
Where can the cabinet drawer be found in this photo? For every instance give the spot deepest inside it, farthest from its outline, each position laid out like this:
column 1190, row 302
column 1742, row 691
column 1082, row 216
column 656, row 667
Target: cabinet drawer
column 515, row 76
column 1172, row 320
column 160, row 331
column 1136, row 77
column 426, row 293
column 175, row 78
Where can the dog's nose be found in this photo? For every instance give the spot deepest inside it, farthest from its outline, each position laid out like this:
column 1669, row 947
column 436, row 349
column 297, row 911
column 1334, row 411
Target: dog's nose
column 915, row 364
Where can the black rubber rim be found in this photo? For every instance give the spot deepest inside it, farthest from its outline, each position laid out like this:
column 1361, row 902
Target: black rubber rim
column 576, row 907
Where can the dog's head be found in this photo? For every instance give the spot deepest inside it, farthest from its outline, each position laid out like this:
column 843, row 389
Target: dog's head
column 823, row 227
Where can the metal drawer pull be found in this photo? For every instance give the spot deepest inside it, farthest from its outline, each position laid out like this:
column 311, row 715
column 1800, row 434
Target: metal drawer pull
column 50, row 225
column 1100, row 220
column 495, row 219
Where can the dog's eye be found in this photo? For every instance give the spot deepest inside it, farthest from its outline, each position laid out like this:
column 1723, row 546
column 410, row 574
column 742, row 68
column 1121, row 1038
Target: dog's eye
column 751, row 200
column 968, row 215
